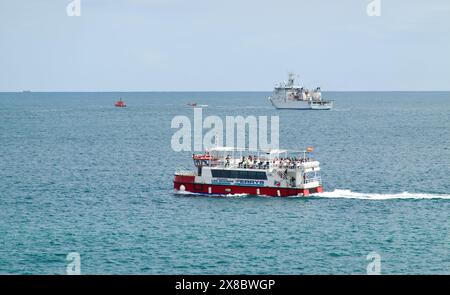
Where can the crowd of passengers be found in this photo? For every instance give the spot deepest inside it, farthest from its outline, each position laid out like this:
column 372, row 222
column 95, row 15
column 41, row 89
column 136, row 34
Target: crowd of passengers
column 254, row 162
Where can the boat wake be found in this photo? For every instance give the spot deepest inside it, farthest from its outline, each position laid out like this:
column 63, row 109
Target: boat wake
column 337, row 194
column 210, row 195
column 348, row 194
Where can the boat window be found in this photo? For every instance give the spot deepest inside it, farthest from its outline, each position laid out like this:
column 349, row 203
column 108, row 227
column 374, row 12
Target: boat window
column 257, row 175
column 261, row 175
column 242, row 174
column 239, row 174
column 252, row 175
column 217, row 173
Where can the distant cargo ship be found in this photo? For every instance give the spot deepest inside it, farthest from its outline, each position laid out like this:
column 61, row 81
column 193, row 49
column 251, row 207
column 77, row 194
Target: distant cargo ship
column 287, row 95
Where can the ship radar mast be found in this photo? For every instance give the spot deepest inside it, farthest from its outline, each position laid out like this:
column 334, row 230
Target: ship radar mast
column 291, row 77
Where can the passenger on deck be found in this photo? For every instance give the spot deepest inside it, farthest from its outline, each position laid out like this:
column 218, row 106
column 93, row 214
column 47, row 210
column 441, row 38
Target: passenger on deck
column 241, row 162
column 293, row 181
column 227, row 161
column 245, row 162
column 260, row 163
column 249, row 162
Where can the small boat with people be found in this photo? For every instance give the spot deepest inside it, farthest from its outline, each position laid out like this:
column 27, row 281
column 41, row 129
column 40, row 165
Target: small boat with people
column 120, row 103
column 287, row 95
column 230, row 171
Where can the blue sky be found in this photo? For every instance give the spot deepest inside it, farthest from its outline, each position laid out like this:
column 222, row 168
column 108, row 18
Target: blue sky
column 146, row 45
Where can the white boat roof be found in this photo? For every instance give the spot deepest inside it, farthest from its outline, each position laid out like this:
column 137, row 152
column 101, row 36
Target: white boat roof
column 237, row 149
column 276, row 152
column 224, row 149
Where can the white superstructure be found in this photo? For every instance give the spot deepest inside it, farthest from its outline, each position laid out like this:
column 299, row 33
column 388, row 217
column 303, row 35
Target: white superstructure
column 287, row 95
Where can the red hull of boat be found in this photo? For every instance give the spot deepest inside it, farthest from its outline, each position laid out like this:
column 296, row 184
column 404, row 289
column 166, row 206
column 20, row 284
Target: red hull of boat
column 186, row 183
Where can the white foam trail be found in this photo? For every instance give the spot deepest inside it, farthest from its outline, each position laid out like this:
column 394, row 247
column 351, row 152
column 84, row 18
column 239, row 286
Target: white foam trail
column 348, row 194
column 210, row 195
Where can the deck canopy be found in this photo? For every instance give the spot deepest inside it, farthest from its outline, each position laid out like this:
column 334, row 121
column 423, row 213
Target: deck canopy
column 277, row 152
column 236, row 157
column 272, row 153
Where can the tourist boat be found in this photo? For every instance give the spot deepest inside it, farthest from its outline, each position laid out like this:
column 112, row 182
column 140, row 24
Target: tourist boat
column 290, row 96
column 120, row 104
column 230, row 171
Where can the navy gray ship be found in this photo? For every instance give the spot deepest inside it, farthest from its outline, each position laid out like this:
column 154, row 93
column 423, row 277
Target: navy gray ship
column 287, row 95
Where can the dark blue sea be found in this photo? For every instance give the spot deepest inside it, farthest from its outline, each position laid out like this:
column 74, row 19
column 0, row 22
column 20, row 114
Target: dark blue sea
column 79, row 175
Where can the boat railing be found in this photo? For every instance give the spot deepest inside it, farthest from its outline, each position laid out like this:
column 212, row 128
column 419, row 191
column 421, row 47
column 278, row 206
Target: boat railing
column 259, row 164
column 184, row 172
column 313, row 179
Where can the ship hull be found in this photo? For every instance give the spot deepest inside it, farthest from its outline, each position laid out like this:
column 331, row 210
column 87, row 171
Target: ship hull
column 301, row 105
column 215, row 189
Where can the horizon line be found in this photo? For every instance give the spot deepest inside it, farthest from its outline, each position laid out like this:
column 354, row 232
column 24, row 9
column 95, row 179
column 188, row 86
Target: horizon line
column 158, row 91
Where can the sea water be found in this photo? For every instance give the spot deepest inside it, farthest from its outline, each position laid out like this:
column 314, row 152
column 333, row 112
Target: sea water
column 79, row 175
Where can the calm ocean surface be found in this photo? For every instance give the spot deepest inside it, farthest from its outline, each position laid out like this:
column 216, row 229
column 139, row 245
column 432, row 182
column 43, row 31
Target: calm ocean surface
column 78, row 174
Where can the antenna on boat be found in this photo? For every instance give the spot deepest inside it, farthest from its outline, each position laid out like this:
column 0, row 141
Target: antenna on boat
column 291, row 78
